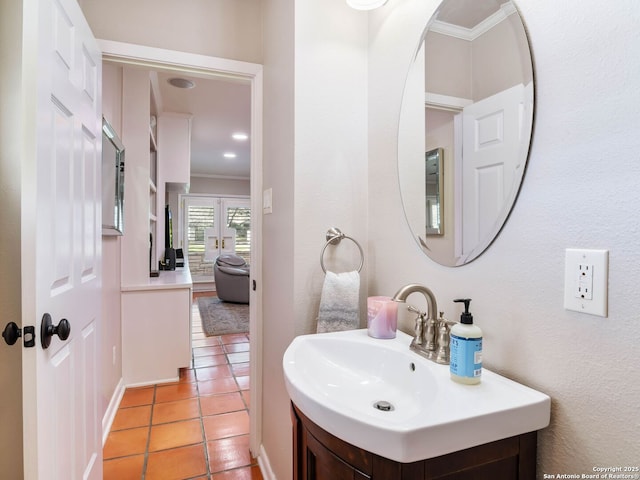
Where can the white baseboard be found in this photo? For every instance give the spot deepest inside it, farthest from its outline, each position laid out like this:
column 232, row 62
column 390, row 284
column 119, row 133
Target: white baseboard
column 265, row 466
column 157, row 381
column 112, row 409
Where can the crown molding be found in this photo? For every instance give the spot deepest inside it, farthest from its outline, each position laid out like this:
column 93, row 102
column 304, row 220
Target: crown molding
column 471, row 34
column 219, row 177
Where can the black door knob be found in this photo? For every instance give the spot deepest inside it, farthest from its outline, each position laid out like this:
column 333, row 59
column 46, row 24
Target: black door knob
column 11, row 333
column 48, row 330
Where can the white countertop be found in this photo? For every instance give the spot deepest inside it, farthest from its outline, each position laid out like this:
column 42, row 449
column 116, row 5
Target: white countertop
column 168, row 280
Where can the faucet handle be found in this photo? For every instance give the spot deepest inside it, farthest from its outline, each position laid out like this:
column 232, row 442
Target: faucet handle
column 418, row 330
column 448, row 323
column 444, row 326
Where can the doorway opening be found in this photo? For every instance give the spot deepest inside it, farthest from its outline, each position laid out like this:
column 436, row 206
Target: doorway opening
column 231, row 70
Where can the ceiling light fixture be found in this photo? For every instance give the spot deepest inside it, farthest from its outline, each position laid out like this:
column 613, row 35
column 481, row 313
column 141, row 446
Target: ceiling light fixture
column 229, row 155
column 365, row 4
column 181, row 82
column 240, row 136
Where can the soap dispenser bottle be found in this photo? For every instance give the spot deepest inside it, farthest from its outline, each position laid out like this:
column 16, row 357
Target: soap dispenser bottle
column 466, row 348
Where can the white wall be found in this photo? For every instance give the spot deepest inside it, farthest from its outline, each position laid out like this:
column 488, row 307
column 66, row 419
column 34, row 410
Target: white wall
column 278, row 229
column 580, row 190
column 219, row 186
column 111, row 331
column 315, row 159
column 218, row 28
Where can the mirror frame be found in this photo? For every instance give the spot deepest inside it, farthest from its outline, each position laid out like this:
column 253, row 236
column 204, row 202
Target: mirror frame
column 113, row 152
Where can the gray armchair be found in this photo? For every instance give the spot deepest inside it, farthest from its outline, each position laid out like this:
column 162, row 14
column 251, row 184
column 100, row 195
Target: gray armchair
column 231, row 274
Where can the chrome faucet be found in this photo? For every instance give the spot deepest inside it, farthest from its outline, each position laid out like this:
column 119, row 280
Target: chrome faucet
column 431, row 336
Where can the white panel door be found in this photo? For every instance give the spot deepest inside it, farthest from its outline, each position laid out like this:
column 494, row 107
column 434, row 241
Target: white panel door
column 491, row 162
column 62, row 219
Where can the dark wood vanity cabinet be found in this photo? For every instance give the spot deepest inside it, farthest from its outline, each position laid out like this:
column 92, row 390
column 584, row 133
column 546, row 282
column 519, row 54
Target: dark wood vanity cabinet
column 318, row 455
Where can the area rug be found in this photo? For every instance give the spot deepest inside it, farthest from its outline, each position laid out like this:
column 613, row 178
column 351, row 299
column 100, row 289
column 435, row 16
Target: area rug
column 221, row 318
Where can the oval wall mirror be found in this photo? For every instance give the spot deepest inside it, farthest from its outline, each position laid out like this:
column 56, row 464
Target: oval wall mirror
column 465, row 127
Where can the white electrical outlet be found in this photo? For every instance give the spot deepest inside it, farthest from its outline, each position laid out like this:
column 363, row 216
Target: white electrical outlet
column 584, row 282
column 586, row 279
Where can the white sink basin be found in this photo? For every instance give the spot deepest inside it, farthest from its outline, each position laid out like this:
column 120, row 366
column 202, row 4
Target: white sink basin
column 336, row 378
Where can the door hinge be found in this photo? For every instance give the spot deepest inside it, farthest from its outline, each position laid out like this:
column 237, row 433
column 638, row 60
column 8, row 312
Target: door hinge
column 254, row 285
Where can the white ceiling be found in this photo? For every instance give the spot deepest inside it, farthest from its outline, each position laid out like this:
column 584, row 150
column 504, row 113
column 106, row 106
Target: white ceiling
column 467, row 13
column 220, row 108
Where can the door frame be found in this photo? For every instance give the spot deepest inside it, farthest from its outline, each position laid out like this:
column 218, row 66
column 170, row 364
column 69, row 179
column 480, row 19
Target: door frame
column 151, row 57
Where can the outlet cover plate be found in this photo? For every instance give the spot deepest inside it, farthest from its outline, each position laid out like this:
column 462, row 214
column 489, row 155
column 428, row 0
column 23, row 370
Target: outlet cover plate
column 586, row 269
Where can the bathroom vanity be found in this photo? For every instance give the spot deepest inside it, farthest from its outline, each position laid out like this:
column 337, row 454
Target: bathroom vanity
column 373, row 408
column 319, row 455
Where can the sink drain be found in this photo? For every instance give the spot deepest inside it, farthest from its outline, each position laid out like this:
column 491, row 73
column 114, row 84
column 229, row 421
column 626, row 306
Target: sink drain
column 383, row 405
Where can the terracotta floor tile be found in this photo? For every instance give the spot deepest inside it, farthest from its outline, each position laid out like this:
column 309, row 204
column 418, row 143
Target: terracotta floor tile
column 180, row 443
column 246, row 473
column 134, row 397
column 211, row 373
column 205, row 341
column 205, row 351
column 209, row 361
column 177, row 434
column 131, row 417
column 246, row 396
column 175, row 391
column 125, row 442
column 187, row 375
column 241, row 369
column 217, row 386
column 228, row 453
column 177, row 463
column 243, row 382
column 240, row 357
column 226, row 425
column 175, row 411
column 125, row 468
column 236, row 347
column 234, row 338
column 225, row 403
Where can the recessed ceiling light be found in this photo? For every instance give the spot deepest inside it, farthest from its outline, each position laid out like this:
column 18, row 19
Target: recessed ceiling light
column 229, row 155
column 181, row 82
column 240, row 136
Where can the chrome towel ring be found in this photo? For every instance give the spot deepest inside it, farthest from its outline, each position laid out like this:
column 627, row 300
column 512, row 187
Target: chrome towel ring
column 334, row 237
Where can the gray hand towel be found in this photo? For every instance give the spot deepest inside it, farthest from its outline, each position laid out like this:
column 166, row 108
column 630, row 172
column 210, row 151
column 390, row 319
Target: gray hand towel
column 339, row 302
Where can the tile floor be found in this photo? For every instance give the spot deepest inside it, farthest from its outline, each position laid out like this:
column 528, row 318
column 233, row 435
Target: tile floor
column 197, row 428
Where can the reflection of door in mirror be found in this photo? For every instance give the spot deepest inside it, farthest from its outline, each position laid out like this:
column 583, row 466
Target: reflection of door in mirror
column 491, row 164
